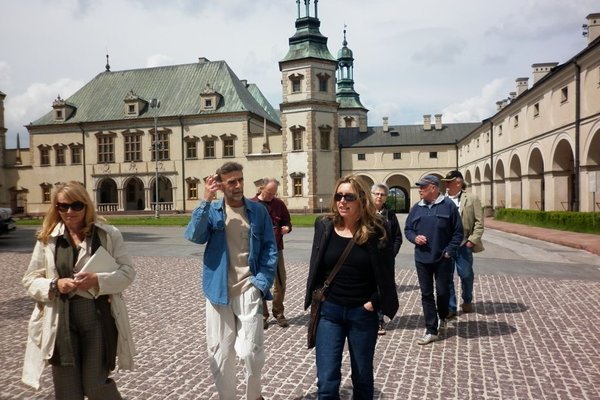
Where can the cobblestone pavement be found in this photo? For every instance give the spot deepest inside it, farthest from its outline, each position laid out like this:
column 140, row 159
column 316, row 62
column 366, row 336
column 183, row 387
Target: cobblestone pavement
column 529, row 338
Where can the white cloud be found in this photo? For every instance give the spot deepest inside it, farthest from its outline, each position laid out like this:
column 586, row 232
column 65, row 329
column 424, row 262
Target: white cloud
column 478, row 107
column 33, row 104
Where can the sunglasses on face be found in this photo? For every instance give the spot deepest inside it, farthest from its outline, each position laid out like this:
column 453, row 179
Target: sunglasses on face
column 346, row 196
column 76, row 206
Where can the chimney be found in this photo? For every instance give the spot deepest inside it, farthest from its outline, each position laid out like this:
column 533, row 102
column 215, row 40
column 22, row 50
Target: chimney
column 202, row 60
column 512, row 96
column 427, row 122
column 386, row 127
column 438, row 122
column 244, row 82
column 592, row 28
column 499, row 105
column 522, row 85
column 540, row 70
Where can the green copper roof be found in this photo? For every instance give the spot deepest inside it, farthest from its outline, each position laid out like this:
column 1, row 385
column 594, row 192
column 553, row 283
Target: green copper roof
column 308, row 42
column 178, row 87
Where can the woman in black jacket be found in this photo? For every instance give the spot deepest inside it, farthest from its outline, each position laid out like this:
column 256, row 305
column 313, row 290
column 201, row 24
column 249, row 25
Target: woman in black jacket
column 364, row 284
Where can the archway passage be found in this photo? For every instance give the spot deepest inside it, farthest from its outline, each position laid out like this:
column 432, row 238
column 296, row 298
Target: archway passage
column 134, row 195
column 107, row 198
column 563, row 171
column 536, row 183
column 165, row 194
column 398, row 200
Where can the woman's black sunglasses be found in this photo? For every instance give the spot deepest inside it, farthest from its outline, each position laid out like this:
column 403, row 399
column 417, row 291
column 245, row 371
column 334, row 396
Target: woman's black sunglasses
column 346, row 196
column 76, row 206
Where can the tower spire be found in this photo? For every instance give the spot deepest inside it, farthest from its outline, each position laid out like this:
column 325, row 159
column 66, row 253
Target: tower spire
column 107, row 66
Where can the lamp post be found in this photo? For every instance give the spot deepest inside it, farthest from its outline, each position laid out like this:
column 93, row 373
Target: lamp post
column 155, row 103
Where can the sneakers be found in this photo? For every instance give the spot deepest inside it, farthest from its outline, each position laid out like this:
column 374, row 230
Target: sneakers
column 467, row 307
column 281, row 321
column 381, row 330
column 451, row 314
column 265, row 323
column 427, row 338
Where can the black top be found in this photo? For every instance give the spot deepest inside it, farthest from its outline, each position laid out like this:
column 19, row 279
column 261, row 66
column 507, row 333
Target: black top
column 381, row 262
column 354, row 284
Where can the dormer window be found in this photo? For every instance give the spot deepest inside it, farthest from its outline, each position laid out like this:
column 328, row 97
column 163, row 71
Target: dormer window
column 296, row 80
column 209, row 99
column 134, row 105
column 62, row 109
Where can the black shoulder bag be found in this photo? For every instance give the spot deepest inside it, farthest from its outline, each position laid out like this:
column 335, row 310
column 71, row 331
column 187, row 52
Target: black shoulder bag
column 318, row 297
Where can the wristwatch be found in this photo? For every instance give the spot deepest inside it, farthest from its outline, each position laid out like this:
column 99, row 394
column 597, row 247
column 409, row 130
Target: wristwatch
column 54, row 287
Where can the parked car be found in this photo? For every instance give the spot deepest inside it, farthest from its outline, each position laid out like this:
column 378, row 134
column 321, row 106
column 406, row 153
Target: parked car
column 7, row 224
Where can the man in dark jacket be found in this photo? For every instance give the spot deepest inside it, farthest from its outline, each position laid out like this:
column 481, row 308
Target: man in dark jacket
column 380, row 191
column 434, row 226
column 282, row 225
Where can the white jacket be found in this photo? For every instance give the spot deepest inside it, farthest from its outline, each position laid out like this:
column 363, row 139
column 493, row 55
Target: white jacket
column 44, row 319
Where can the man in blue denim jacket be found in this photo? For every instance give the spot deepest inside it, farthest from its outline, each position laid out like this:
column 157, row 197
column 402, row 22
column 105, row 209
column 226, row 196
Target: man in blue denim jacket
column 238, row 271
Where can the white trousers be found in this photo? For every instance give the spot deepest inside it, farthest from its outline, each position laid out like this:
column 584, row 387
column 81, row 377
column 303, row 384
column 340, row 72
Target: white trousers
column 236, row 328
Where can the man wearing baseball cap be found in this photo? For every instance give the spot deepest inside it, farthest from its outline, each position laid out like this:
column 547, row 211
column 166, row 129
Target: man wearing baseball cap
column 471, row 213
column 434, row 226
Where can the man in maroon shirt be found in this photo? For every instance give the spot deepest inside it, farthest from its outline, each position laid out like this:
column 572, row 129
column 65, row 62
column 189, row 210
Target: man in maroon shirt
column 282, row 225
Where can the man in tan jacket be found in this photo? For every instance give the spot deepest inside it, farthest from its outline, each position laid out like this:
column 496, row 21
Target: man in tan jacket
column 469, row 207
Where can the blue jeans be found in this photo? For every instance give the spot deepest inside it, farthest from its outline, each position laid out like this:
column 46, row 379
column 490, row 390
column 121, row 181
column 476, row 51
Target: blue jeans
column 464, row 267
column 335, row 325
column 434, row 306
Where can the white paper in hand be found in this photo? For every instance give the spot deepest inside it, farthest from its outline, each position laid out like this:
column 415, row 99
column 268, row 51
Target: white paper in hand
column 101, row 261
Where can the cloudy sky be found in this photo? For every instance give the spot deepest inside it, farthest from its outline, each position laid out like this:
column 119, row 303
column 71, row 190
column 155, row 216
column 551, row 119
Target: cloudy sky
column 411, row 57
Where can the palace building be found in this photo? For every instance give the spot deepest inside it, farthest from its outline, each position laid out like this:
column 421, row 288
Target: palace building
column 142, row 140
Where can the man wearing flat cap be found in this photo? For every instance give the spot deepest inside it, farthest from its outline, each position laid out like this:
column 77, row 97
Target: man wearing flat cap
column 434, row 226
column 471, row 213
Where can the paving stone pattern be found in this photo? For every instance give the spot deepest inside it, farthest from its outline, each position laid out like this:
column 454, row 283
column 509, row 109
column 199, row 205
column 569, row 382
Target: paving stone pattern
column 529, row 338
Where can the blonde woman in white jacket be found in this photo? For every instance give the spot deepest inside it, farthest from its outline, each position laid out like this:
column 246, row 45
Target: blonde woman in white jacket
column 79, row 322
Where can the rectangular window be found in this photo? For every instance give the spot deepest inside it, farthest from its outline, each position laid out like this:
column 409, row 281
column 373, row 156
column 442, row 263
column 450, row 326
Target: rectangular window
column 193, row 190
column 163, row 147
column 44, row 157
column 131, row 109
column 106, row 149
column 322, row 84
column 433, row 154
column 133, row 148
column 361, row 156
column 536, row 110
column 209, row 149
column 59, row 114
column 76, row 155
column 516, row 120
column 191, row 150
column 60, row 156
column 397, row 156
column 297, row 140
column 499, row 130
column 208, row 103
column 46, row 190
column 295, row 86
column 564, row 94
column 228, row 148
column 325, row 145
column 297, row 183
